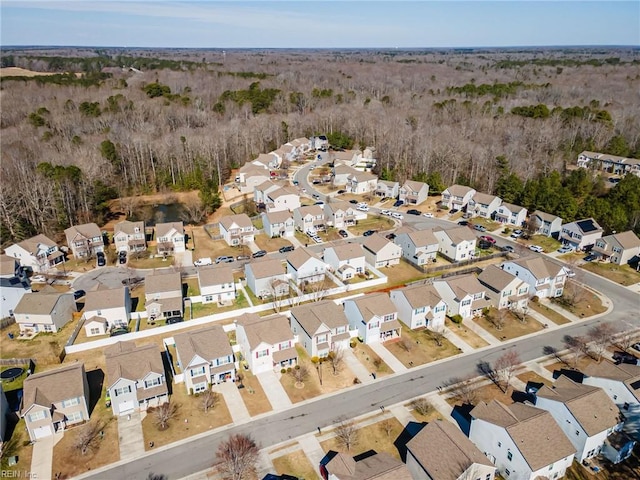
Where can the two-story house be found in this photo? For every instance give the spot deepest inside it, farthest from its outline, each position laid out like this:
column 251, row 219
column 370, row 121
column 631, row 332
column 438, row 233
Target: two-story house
column 387, row 189
column 269, row 160
column 545, row 224
column 609, row 163
column 136, row 377
column 581, row 233
column 217, row 284
column 170, row 238
column 380, row 252
column 129, row 236
column 14, row 284
column 44, row 311
column 463, row 294
column 420, row 305
column 545, row 278
column 374, row 316
column 413, row 193
column 106, row 309
column 483, row 205
column 266, row 343
column 300, row 146
column 510, row 214
column 457, row 197
column 618, row 248
column 282, row 199
column 237, row 229
column 250, row 176
column 304, row 266
column 309, row 218
column 205, row 357
column 320, row 327
column 266, row 277
column 504, row 289
column 522, row 441
column 440, row 451
column 419, row 247
column 84, row 240
column 346, row 260
column 585, row 414
column 55, row 399
column 319, row 142
column 163, row 296
column 360, row 183
column 342, row 214
column 260, row 192
column 38, row 253
column 341, row 174
column 278, row 224
column 456, row 244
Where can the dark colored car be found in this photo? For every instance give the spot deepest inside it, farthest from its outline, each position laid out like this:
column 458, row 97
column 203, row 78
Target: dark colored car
column 122, row 257
column 259, row 253
column 286, row 248
column 453, row 210
column 507, row 248
column 172, row 320
column 316, row 196
column 368, row 233
column 484, row 245
column 390, row 236
column 79, row 294
column 413, row 211
column 132, row 281
column 118, row 331
column 102, row 261
column 464, row 223
column 340, row 192
column 355, row 202
column 398, row 203
column 624, row 357
column 590, row 257
column 343, row 233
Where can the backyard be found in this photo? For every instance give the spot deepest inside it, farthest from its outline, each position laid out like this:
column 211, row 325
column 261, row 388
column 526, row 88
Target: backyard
column 512, row 327
column 417, row 347
column 204, row 309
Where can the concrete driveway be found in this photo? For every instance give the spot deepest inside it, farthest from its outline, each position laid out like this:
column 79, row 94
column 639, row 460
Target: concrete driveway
column 130, row 436
column 42, row 456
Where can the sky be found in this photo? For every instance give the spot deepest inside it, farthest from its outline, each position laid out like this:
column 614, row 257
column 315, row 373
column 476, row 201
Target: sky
column 314, row 24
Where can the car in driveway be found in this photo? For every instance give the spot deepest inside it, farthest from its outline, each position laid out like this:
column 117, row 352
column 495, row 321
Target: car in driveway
column 118, row 331
column 368, row 233
column 172, row 320
column 565, row 249
column 489, row 239
column 286, row 248
column 259, row 253
column 427, row 214
column 536, row 248
column 343, row 233
column 636, row 346
column 397, row 215
column 516, row 234
column 340, row 192
column 398, row 203
column 413, row 211
column 624, row 357
column 224, row 259
column 591, row 257
column 243, row 257
column 484, row 245
column 480, row 228
column 568, row 272
column 122, row 257
column 102, row 261
column 386, row 212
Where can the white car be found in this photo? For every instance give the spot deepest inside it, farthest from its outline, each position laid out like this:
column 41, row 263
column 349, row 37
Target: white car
column 317, row 239
column 397, row 215
column 570, row 273
column 363, row 208
column 386, row 212
column 427, row 214
column 536, row 248
column 201, row 262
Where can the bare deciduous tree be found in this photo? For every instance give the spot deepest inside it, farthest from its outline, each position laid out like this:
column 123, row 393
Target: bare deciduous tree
column 163, row 414
column 438, row 337
column 422, row 406
column 498, row 318
column 601, row 337
column 464, row 389
column 573, row 293
column 193, row 211
column 336, row 359
column 237, row 457
column 387, row 426
column 209, row 400
column 85, row 438
column 300, row 373
column 347, row 434
column 577, row 346
column 405, row 344
column 506, row 366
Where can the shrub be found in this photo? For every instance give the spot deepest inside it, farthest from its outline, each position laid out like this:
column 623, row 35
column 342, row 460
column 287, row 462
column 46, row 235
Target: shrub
column 456, row 319
column 352, row 343
column 283, row 370
column 535, row 299
column 289, row 369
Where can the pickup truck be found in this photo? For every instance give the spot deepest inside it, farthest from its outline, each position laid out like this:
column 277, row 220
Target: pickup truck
column 201, row 262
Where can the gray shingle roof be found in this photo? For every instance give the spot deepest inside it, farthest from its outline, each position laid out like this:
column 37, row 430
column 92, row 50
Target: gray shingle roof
column 40, row 303
column 311, row 317
column 271, row 330
column 54, row 386
column 209, row 343
column 160, row 282
column 266, row 267
column 105, row 298
column 214, row 275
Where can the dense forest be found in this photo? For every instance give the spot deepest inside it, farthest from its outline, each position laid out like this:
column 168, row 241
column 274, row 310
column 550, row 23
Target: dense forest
column 110, row 123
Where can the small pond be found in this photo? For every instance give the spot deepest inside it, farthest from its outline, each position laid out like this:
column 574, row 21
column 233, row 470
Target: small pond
column 154, row 214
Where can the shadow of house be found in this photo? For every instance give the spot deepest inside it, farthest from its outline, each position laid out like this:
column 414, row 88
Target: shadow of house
column 574, row 375
column 95, row 379
column 522, row 397
column 408, row 432
column 462, row 415
column 168, row 370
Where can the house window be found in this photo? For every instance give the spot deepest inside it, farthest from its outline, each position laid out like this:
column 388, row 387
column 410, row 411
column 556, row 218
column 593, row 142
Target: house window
column 373, row 325
column 465, row 303
column 262, row 353
column 154, row 382
column 47, row 328
column 509, row 455
column 388, row 318
column 35, row 416
column 322, row 338
column 440, row 309
column 95, row 331
column 70, row 403
column 551, row 467
column 121, row 390
column 197, row 371
column 74, row 417
column 201, row 387
column 223, row 360
column 507, row 472
column 419, row 310
column 208, row 298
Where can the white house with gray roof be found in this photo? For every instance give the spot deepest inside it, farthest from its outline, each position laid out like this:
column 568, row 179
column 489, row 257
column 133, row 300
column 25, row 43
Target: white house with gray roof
column 282, row 199
column 44, row 311
column 609, row 163
column 309, row 218
column 84, row 240
column 483, row 205
column 457, row 196
column 380, row 252
column 360, row 183
column 387, row 189
column 346, row 260
column 374, row 316
column 581, row 233
column 170, row 238
column 545, row 278
column 250, row 175
column 106, row 309
column 504, row 289
column 545, row 224
column 510, row 214
column 217, row 284
column 14, row 284
column 129, row 236
column 456, row 244
column 266, row 277
column 419, row 247
column 237, row 229
column 163, row 295
column 278, row 224
column 38, row 253
column 339, row 214
column 304, row 266
column 205, row 357
column 420, row 306
column 413, row 193
column 320, row 327
column 618, row 248
column 463, row 294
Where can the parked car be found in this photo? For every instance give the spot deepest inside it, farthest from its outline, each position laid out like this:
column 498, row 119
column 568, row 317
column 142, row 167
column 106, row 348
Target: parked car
column 516, row 234
column 295, row 182
column 316, row 196
column 427, row 214
column 398, row 203
column 463, row 223
column 321, row 203
column 453, row 211
column 508, row 248
column 316, row 239
column 390, row 236
column 397, row 215
column 122, row 257
column 489, row 239
column 243, row 257
column 591, row 257
column 386, row 212
column 565, row 249
column 172, row 320
column 259, row 253
column 38, row 279
column 413, row 211
column 570, row 273
column 536, row 248
column 201, row 262
column 624, row 357
column 484, row 245
column 368, row 233
column 480, row 228
column 343, row 233
column 118, row 331
column 224, row 259
column 79, row 294
column 129, row 282
column 286, row 248
column 354, row 201
column 363, row 208
column 102, row 261
column 340, row 192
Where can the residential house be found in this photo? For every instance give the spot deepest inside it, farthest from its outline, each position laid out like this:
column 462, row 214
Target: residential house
column 205, row 357
column 609, row 163
column 456, row 244
column 282, row 199
column 622, row 384
column 84, row 240
column 387, row 189
column 420, row 305
column 305, row 267
column 374, row 316
column 619, row 248
column 163, row 296
column 251, row 175
column 419, row 247
column 170, row 238
column 522, row 441
column 271, row 161
column 278, row 224
column 360, row 183
column 237, row 229
column 346, row 260
column 413, row 193
column 341, row 174
column 266, row 343
column 483, row 205
column 136, row 377
column 320, row 328
column 463, row 294
column 346, row 157
column 511, row 214
column 309, row 218
column 340, row 214
column 581, row 234
column 267, row 278
column 300, row 145
column 38, row 253
column 44, row 311
column 380, row 252
column 319, row 142
column 261, row 191
column 129, row 236
column 366, row 466
column 457, row 197
column 54, row 400
column 504, row 289
column 545, row 278
column 14, row 284
column 217, row 284
column 585, row 414
column 106, row 309
column 440, row 451
column 545, row 224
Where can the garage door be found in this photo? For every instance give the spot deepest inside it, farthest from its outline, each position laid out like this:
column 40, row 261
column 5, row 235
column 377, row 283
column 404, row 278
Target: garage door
column 42, row 432
column 126, row 407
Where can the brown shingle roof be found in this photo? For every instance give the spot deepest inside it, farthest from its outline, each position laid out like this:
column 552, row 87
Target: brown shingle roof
column 311, row 317
column 444, row 451
column 282, row 191
column 161, row 282
column 242, row 220
column 53, row 386
column 626, row 239
column 313, row 210
column 463, row 285
column 271, row 330
column 128, row 227
column 545, row 217
column 300, row 256
column 422, row 238
column 266, row 267
column 347, row 251
column 87, row 230
column 278, row 217
column 163, row 229
column 7, row 265
column 214, row 275
column 126, row 360
column 374, row 304
column 459, row 190
column 458, row 234
column 209, row 343
column 376, row 242
column 512, row 207
column 412, row 185
column 496, row 278
column 421, row 295
column 380, row 466
column 105, row 298
column 484, row 198
column 626, row 373
column 31, row 244
column 40, row 303
column 539, row 267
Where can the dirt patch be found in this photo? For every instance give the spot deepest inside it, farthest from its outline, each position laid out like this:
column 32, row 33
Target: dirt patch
column 22, row 72
column 512, row 328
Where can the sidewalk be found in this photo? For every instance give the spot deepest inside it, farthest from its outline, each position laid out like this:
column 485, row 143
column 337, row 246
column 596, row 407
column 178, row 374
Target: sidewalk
column 388, row 358
column 274, row 390
column 481, row 332
column 233, row 399
column 358, row 369
column 312, row 449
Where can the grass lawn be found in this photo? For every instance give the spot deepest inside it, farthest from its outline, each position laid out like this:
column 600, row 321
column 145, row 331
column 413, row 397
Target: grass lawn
column 372, row 222
column 253, row 395
column 402, row 273
column 204, row 309
column 486, row 393
column 271, row 244
column 417, row 347
column 432, row 415
column 585, row 304
column 487, row 223
column 547, row 243
column 188, row 409
column 468, row 336
column 371, row 360
column 371, row 437
column 193, row 286
column 330, row 235
column 529, row 376
column 513, row 328
column 296, row 464
column 312, row 387
column 18, row 445
column 622, row 274
column 551, row 314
